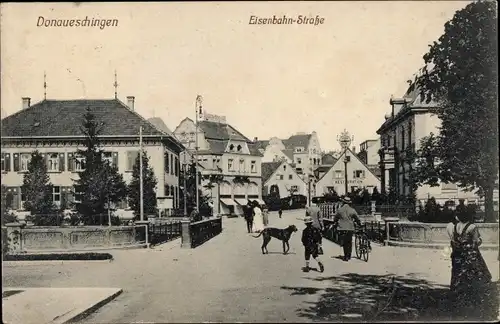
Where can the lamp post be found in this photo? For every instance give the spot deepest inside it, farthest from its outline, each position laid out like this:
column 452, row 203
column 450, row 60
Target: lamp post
column 345, row 140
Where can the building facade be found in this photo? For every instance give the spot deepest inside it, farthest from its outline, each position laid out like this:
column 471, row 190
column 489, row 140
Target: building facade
column 410, row 120
column 359, row 176
column 52, row 127
column 224, row 151
column 285, row 178
column 369, row 152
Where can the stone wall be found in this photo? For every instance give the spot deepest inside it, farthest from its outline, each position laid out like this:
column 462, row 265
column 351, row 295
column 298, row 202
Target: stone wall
column 435, row 234
column 72, row 238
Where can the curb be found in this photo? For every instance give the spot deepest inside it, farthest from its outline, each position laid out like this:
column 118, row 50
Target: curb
column 86, row 312
column 51, row 262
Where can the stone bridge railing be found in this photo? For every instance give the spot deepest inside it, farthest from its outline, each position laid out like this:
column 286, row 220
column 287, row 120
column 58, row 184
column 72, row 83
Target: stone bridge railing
column 22, row 239
column 197, row 233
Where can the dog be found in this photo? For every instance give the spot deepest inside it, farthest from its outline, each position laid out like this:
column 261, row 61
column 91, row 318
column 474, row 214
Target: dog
column 281, row 234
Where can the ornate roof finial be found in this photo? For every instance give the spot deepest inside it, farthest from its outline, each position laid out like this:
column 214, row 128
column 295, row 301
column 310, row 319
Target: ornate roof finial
column 116, row 86
column 345, row 139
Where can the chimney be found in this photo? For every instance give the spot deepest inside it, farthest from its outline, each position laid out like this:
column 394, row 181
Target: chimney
column 130, row 102
column 26, row 102
column 255, row 139
column 354, row 149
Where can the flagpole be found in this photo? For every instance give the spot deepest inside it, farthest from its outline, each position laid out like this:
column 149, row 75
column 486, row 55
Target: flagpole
column 140, row 172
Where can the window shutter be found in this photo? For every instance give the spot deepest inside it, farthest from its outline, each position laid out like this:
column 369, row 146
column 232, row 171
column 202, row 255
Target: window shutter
column 167, row 162
column 61, row 161
column 16, row 161
column 172, row 164
column 7, row 161
column 71, row 162
column 115, row 159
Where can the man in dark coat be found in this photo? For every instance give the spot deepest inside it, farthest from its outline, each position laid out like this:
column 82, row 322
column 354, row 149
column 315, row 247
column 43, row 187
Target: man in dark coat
column 345, row 218
column 248, row 213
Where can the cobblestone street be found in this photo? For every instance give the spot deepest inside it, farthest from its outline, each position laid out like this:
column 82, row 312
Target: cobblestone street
column 227, row 279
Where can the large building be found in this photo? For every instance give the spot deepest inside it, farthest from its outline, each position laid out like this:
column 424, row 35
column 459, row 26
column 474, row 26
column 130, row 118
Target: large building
column 301, row 150
column 223, row 150
column 282, row 176
column 410, row 120
column 53, row 127
column 359, row 176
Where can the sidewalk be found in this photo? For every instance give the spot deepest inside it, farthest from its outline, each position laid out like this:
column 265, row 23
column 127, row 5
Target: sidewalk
column 53, row 305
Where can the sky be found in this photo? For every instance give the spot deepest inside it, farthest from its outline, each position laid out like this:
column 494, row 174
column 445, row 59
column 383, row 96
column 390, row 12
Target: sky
column 268, row 80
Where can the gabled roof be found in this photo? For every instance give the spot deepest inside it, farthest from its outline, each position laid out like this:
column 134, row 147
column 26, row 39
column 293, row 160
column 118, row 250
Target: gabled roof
column 62, row 118
column 353, row 155
column 268, row 168
column 158, row 123
column 220, row 131
column 288, row 153
column 297, row 140
column 261, row 144
column 328, row 159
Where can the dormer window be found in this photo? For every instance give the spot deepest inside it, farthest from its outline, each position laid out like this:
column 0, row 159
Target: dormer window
column 231, row 147
column 239, row 148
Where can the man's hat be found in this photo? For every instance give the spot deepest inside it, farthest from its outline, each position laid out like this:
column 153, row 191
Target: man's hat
column 347, row 200
column 308, row 220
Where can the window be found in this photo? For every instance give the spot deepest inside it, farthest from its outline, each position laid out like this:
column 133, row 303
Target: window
column 167, row 190
column 358, row 174
column 78, row 195
column 230, row 164
column 402, row 138
column 253, row 167
column 339, row 174
column 25, row 160
column 239, row 148
column 284, row 167
column 176, row 166
column 290, row 176
column 278, row 177
column 107, row 157
column 56, row 194
column 242, row 165
column 299, row 160
column 53, row 162
column 79, row 163
column 231, row 147
column 5, row 162
column 294, row 188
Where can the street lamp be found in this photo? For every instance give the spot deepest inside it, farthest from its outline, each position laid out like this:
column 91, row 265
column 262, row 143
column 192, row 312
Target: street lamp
column 345, row 140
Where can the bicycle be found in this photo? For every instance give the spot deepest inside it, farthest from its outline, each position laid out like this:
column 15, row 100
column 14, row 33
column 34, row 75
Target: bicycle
column 362, row 245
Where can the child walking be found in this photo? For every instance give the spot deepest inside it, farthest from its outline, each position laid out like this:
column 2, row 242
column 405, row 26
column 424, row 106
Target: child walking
column 311, row 239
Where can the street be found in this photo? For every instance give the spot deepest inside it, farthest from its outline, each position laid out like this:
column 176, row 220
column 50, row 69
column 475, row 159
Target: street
column 227, row 279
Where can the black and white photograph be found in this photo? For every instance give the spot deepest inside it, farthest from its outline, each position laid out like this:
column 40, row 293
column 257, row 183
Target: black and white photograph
column 249, row 162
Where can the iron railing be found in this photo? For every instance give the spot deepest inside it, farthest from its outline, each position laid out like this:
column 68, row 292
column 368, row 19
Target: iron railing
column 204, row 230
column 164, row 232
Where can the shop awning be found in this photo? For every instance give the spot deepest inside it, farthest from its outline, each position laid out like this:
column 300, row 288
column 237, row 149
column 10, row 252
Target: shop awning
column 241, row 201
column 228, row 202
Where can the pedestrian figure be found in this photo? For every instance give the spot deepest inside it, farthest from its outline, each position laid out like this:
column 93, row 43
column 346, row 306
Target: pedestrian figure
column 249, row 216
column 345, row 218
column 258, row 221
column 470, row 278
column 311, row 239
column 280, row 212
column 265, row 215
column 316, row 215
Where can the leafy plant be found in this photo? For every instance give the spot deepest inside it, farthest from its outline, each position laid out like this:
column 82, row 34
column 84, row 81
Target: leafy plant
column 149, row 184
column 36, row 187
column 460, row 76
